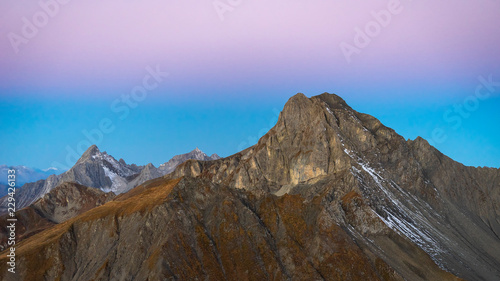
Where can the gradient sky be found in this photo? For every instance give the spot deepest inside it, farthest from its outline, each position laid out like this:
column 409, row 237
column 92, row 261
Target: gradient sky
column 229, row 76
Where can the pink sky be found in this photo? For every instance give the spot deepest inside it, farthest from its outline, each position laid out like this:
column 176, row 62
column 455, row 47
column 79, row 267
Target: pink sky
column 103, row 44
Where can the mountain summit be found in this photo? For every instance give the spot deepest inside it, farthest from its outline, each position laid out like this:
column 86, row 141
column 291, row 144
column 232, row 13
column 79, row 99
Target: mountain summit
column 100, row 170
column 327, row 194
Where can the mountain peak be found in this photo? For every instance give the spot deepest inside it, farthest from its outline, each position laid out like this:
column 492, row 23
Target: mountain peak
column 93, row 147
column 91, row 151
column 298, row 98
column 333, row 101
column 214, row 156
column 50, row 169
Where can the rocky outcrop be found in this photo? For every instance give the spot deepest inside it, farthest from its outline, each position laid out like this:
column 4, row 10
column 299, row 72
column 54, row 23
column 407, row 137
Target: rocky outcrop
column 100, row 170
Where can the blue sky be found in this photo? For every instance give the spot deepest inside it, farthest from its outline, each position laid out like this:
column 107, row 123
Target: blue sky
column 229, row 75
column 39, row 130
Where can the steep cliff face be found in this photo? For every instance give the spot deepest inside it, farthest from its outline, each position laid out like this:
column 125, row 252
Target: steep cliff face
column 308, row 141
column 148, row 173
column 328, row 193
column 100, row 170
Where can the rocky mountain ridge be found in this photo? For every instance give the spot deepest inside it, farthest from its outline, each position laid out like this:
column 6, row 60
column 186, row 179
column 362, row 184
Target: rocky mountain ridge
column 100, row 170
column 327, row 194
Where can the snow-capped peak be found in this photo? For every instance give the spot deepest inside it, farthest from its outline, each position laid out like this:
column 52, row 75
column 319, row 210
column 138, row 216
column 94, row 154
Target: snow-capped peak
column 50, row 169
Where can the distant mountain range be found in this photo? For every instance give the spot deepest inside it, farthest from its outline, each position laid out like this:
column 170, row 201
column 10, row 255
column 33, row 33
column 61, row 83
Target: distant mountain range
column 24, row 175
column 98, row 170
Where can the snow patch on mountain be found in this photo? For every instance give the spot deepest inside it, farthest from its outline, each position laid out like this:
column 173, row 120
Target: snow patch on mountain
column 397, row 216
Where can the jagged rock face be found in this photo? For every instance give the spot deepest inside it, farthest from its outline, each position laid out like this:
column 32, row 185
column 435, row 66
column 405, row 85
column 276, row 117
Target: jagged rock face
column 27, row 195
column 482, row 192
column 94, row 169
column 307, row 142
column 100, row 170
column 328, row 193
column 60, row 204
